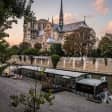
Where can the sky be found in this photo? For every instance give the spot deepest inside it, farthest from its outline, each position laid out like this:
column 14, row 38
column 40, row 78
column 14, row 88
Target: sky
column 98, row 15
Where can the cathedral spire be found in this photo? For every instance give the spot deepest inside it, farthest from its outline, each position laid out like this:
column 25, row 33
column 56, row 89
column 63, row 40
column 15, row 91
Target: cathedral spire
column 61, row 19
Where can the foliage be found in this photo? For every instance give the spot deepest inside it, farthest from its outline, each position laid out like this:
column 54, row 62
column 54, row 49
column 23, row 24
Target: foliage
column 38, row 46
column 80, row 42
column 44, row 52
column 5, row 51
column 10, row 10
column 55, row 59
column 42, row 71
column 30, row 51
column 95, row 53
column 31, row 101
column 105, row 46
column 14, row 50
column 22, row 47
column 56, row 49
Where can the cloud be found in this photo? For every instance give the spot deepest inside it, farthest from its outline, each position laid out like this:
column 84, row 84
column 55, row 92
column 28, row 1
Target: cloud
column 108, row 27
column 68, row 18
column 101, row 7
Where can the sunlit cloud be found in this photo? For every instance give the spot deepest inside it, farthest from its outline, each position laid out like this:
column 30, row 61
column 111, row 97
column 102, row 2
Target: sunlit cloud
column 108, row 27
column 68, row 18
column 101, row 6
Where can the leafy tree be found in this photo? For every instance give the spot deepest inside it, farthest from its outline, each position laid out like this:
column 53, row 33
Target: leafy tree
column 95, row 53
column 14, row 50
column 80, row 42
column 23, row 47
column 38, row 46
column 10, row 11
column 44, row 52
column 55, row 59
column 30, row 51
column 56, row 49
column 33, row 100
column 5, row 53
column 105, row 45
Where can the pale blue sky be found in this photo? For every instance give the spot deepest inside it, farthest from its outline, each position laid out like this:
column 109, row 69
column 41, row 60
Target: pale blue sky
column 98, row 12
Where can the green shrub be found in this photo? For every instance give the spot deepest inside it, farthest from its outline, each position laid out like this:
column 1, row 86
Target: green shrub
column 55, row 59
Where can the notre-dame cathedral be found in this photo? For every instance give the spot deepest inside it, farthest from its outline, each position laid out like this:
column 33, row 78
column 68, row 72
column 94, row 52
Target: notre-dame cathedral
column 46, row 33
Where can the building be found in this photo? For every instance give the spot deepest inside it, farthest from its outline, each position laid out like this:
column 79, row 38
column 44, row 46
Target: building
column 45, row 32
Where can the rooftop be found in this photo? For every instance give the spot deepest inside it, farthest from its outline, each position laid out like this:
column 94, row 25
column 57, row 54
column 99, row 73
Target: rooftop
column 55, row 71
column 72, row 26
column 75, row 26
column 91, row 82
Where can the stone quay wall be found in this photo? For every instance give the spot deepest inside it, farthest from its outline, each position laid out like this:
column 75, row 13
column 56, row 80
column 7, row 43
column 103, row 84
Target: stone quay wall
column 83, row 64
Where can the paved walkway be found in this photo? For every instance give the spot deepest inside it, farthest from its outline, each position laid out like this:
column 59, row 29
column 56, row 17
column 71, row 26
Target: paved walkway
column 64, row 101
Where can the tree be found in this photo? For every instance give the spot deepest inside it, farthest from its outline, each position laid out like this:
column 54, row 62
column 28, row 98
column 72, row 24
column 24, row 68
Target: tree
column 69, row 46
column 80, row 42
column 5, row 53
column 105, row 45
column 33, row 99
column 38, row 46
column 10, row 10
column 30, row 51
column 95, row 53
column 23, row 47
column 55, row 59
column 14, row 50
column 56, row 49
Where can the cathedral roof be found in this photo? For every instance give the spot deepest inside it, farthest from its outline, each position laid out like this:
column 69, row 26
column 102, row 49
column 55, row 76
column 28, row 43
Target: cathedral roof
column 75, row 26
column 71, row 27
